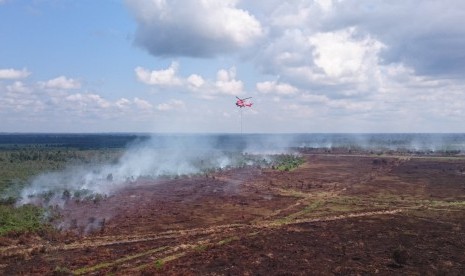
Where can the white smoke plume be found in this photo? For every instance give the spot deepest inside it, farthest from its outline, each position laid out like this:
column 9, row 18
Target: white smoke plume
column 161, row 156
column 182, row 155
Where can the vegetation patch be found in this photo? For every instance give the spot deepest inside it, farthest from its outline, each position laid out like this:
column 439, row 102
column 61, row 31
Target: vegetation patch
column 288, row 162
column 23, row 219
column 99, row 266
column 228, row 240
column 161, row 262
column 18, row 165
column 201, row 247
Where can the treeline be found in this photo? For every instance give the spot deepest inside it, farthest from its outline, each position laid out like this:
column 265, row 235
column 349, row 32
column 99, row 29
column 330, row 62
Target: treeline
column 36, row 155
column 77, row 141
column 18, row 166
column 57, row 155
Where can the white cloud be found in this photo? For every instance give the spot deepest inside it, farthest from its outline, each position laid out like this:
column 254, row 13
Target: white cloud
column 171, row 105
column 164, row 77
column 273, row 87
column 326, row 5
column 12, row 74
column 61, row 83
column 142, row 104
column 195, row 81
column 123, row 103
column 88, row 100
column 308, row 60
column 18, row 87
column 18, row 98
column 343, row 57
column 192, row 27
column 226, row 82
column 426, row 37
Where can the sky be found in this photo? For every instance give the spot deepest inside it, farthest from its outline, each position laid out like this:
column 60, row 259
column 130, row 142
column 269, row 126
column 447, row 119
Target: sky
column 176, row 66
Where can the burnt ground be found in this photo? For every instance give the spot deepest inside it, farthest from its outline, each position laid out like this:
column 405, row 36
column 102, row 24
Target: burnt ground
column 339, row 213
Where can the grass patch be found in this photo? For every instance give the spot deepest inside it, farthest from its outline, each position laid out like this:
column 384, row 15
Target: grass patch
column 437, row 203
column 99, row 266
column 292, row 193
column 62, row 271
column 290, row 218
column 307, row 209
column 201, row 247
column 26, row 218
column 228, row 240
column 161, row 262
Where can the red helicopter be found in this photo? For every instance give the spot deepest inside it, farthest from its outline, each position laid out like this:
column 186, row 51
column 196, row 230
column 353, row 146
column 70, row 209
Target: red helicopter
column 243, row 102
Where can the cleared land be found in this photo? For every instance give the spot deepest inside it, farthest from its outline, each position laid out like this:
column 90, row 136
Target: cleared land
column 338, row 213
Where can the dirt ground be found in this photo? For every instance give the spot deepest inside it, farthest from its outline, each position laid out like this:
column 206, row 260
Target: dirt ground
column 340, row 213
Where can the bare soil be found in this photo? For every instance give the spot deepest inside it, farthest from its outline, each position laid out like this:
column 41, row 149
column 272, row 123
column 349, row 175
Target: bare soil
column 339, row 213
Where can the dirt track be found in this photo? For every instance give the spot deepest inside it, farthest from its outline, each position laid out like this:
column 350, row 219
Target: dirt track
column 336, row 214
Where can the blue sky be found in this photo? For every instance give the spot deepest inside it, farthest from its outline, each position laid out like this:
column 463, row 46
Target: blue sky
column 176, row 66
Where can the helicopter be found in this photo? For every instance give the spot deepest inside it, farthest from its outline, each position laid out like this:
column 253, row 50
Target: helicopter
column 243, row 102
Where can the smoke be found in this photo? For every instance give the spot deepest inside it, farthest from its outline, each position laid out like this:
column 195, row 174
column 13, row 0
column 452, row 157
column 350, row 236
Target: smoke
column 77, row 191
column 158, row 157
column 408, row 142
column 154, row 158
column 181, row 155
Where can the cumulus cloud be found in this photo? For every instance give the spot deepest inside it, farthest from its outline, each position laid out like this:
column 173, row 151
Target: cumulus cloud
column 225, row 83
column 195, row 81
column 274, row 87
column 12, row 74
column 193, row 28
column 94, row 105
column 343, row 48
column 164, row 77
column 427, row 37
column 18, row 87
column 88, row 100
column 142, row 104
column 28, row 102
column 341, row 56
column 61, row 82
column 19, row 97
column 314, row 60
column 123, row 103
